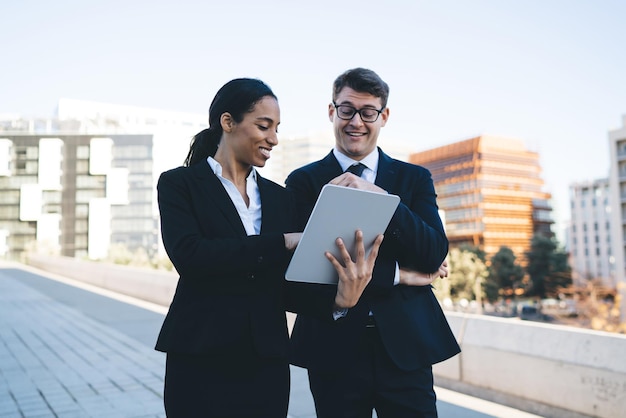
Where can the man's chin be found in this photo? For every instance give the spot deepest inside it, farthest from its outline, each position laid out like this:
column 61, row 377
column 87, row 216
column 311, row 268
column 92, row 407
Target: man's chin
column 356, row 151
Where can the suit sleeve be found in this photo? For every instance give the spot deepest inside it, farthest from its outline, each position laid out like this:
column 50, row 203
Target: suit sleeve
column 304, row 191
column 415, row 234
column 204, row 255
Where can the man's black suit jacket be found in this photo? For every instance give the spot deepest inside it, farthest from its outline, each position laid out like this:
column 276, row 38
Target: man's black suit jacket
column 231, row 294
column 409, row 319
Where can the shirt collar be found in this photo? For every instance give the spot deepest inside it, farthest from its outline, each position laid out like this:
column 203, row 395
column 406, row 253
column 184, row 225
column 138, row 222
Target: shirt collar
column 370, row 160
column 217, row 169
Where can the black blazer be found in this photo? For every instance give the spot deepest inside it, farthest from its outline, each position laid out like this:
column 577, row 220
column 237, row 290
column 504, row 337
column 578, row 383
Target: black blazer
column 409, row 319
column 230, row 293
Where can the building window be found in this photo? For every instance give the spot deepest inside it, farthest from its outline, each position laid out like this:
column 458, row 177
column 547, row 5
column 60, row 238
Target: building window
column 82, row 152
column 20, row 167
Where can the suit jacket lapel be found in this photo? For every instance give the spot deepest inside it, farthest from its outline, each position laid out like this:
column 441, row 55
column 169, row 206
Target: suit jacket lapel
column 272, row 207
column 329, row 168
column 386, row 175
column 214, row 191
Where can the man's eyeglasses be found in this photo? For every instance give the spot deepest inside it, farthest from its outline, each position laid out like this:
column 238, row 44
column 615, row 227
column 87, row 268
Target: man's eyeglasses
column 368, row 114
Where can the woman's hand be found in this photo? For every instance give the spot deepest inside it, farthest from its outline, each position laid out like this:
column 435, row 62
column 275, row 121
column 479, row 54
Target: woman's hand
column 292, row 239
column 354, row 276
column 417, row 278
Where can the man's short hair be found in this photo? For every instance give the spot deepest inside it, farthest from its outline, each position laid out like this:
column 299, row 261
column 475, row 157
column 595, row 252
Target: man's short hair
column 363, row 81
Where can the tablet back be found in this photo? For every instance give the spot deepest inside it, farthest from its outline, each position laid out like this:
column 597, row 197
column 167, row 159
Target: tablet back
column 338, row 212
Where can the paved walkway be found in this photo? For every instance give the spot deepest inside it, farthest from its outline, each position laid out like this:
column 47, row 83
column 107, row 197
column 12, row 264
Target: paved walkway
column 69, row 350
column 55, row 361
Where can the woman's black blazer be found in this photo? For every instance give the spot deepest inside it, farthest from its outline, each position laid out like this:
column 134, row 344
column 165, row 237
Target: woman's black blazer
column 231, row 291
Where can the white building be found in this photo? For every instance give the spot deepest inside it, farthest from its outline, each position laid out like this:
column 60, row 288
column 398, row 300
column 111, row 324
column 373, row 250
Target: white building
column 171, row 131
column 617, row 180
column 85, row 179
column 589, row 235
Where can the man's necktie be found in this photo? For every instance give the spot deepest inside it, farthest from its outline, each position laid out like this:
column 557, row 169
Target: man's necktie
column 356, row 169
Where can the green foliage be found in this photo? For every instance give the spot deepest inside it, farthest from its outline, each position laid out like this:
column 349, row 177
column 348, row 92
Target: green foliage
column 120, row 254
column 467, row 273
column 547, row 267
column 482, row 256
column 505, row 275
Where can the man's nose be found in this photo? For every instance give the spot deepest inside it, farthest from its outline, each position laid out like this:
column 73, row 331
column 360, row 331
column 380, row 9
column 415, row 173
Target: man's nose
column 356, row 120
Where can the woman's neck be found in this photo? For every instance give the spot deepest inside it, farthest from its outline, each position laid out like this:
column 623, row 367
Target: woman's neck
column 232, row 169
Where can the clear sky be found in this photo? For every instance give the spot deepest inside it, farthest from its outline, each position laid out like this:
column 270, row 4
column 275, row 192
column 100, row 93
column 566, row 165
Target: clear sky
column 549, row 72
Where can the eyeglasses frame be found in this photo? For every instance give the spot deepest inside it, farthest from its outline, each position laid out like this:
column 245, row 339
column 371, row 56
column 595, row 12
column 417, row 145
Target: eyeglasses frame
column 359, row 112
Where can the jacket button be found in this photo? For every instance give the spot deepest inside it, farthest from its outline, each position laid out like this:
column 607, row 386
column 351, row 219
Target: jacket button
column 260, row 259
column 251, row 276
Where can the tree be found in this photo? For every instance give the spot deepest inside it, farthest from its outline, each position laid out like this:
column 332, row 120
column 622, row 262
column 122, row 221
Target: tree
column 505, row 275
column 466, row 269
column 547, row 267
column 482, row 256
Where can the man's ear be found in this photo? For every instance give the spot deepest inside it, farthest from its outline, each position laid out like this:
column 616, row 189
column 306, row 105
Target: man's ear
column 331, row 111
column 384, row 116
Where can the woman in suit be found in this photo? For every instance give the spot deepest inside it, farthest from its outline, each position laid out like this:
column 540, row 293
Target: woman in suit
column 230, row 234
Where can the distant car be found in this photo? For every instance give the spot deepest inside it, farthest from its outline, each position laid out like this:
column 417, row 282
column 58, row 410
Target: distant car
column 529, row 312
column 555, row 307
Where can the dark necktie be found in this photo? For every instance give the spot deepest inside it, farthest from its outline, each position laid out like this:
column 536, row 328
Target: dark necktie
column 356, row 169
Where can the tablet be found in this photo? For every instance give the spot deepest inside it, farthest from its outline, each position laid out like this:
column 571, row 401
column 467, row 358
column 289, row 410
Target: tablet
column 338, row 212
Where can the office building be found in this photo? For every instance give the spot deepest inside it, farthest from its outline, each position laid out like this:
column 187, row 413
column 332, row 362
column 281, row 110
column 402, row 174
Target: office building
column 617, row 182
column 74, row 195
column 84, row 180
column 491, row 191
column 589, row 233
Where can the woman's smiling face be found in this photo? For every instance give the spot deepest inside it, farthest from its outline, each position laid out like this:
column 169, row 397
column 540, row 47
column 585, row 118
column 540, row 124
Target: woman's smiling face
column 253, row 138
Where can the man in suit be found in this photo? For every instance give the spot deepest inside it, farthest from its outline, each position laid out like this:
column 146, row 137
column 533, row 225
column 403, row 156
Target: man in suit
column 378, row 354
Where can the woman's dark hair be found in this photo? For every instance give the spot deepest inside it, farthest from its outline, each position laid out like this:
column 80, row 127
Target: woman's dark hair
column 363, row 81
column 237, row 97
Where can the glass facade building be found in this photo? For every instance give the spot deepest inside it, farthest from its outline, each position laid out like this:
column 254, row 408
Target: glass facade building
column 75, row 195
column 491, row 192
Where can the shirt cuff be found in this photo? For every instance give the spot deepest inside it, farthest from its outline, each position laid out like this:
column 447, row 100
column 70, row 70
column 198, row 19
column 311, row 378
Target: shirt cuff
column 340, row 313
column 396, row 278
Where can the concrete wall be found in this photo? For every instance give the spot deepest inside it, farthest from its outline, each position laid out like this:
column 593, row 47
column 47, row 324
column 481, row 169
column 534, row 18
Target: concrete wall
column 155, row 286
column 546, row 369
column 550, row 370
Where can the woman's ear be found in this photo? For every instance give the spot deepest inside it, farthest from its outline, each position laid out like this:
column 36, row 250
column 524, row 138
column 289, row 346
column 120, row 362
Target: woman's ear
column 227, row 122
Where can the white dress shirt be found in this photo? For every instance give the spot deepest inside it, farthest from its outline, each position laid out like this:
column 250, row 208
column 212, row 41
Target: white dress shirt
column 250, row 215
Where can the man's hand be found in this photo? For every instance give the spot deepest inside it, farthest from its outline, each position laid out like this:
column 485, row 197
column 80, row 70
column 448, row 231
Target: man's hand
column 355, row 182
column 353, row 276
column 416, row 278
